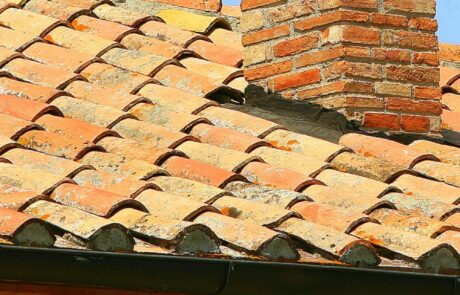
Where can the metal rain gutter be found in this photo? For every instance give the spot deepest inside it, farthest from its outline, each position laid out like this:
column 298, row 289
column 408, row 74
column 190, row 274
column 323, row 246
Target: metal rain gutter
column 190, row 275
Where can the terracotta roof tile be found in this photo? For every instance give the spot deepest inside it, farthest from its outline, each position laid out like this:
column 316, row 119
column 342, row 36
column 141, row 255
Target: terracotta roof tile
column 239, row 83
column 28, row 22
column 230, row 160
column 192, row 21
column 56, row 144
column 102, row 28
column 239, row 121
column 30, row 179
column 384, row 149
column 132, row 149
column 221, row 73
column 12, row 127
column 15, row 40
column 343, row 220
column 231, row 10
column 304, row 144
column 120, row 166
column 95, row 201
column 451, row 237
column 7, row 144
column 273, row 176
column 155, row 46
column 7, row 54
column 428, row 189
column 226, row 138
column 217, row 53
column 450, row 120
column 369, row 167
column 99, row 115
column 80, row 41
column 17, row 199
column 276, row 197
column 419, row 206
column 24, row 230
column 445, row 153
column 41, row 74
column 115, row 78
column 104, row 96
column 227, row 38
column 429, row 253
column 452, row 101
column 25, row 109
column 67, row 59
column 55, row 9
column 453, row 219
column 27, row 90
column 448, row 75
column 175, row 99
column 40, row 161
column 190, row 189
column 355, row 183
column 300, row 163
column 182, row 236
column 156, row 135
column 96, row 232
column 125, row 186
column 421, row 225
column 199, row 171
column 248, row 237
column 344, row 198
column 347, row 248
column 123, row 16
column 87, row 4
column 173, row 120
column 164, row 32
column 448, row 173
column 75, row 128
column 170, row 206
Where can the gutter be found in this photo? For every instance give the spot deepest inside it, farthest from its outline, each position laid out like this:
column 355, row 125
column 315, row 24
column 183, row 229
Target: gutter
column 190, row 275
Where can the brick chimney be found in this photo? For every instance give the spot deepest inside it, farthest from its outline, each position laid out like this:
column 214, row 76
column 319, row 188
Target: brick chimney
column 376, row 61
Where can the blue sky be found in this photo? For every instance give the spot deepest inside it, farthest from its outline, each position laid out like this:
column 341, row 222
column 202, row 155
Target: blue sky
column 448, row 18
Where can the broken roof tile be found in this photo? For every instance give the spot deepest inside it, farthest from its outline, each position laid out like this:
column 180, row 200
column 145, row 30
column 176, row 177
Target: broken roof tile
column 221, row 73
column 55, row 9
column 384, row 149
column 27, row 90
column 44, row 162
column 100, row 115
column 56, row 144
column 125, row 186
column 15, row 40
column 26, row 109
column 445, row 153
column 102, row 28
column 355, row 183
column 98, row 233
column 41, row 74
column 67, row 59
column 227, row 138
column 120, row 166
column 304, row 144
column 124, row 16
column 199, row 171
column 273, row 176
column 132, row 149
column 170, row 119
column 80, row 41
column 191, row 21
column 92, row 200
column 28, row 22
column 448, row 173
column 13, row 127
column 217, row 53
column 300, row 163
column 239, row 121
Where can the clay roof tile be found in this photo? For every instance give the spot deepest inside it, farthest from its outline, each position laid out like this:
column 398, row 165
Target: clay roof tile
column 55, row 9
column 28, row 22
column 102, row 28
column 15, row 40
column 27, row 90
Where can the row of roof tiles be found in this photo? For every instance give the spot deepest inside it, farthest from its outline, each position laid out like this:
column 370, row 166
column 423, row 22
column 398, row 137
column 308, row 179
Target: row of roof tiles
column 96, row 152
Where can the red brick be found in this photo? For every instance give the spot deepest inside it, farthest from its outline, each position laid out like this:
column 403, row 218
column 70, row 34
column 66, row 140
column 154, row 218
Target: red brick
column 289, row 11
column 328, row 4
column 415, row 123
column 382, row 19
column 410, row 40
column 332, row 53
column 293, row 46
column 431, row 59
column 352, row 69
column 268, row 70
column 330, row 18
column 382, row 121
column 413, row 74
column 413, row 106
column 392, row 55
column 423, row 23
column 250, row 4
column 413, row 6
column 336, row 87
column 352, row 34
column 296, row 79
column 341, row 101
column 265, row 35
column 433, row 93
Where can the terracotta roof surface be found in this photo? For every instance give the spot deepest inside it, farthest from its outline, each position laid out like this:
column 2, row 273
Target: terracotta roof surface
column 112, row 138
